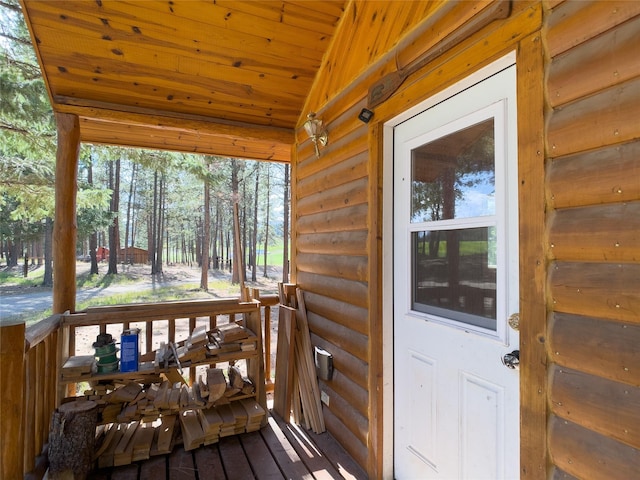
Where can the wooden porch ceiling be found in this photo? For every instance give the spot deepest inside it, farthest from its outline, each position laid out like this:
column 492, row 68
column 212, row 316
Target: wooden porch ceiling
column 216, row 77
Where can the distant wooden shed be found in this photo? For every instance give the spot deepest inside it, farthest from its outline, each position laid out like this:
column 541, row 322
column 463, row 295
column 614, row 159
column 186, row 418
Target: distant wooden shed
column 133, row 255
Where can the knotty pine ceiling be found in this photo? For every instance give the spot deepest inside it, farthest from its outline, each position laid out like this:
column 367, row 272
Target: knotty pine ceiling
column 216, row 77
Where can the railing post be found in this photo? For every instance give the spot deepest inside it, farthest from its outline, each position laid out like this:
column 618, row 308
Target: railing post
column 12, row 382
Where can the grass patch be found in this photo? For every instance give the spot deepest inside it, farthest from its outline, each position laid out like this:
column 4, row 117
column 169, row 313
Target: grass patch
column 87, row 280
column 161, row 294
column 14, row 276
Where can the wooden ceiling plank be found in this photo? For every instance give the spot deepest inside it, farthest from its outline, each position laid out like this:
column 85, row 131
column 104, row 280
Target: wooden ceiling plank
column 264, row 91
column 194, row 36
column 89, row 35
column 333, row 8
column 224, row 18
column 286, row 13
column 224, row 110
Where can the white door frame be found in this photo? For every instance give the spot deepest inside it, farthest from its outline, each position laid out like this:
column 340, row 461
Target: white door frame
column 387, row 245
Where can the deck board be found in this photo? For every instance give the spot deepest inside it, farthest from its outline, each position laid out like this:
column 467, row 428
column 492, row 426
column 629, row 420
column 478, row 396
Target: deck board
column 208, row 460
column 155, row 468
column 317, row 463
column 181, row 466
column 277, row 451
column 236, row 464
column 260, row 458
column 284, row 453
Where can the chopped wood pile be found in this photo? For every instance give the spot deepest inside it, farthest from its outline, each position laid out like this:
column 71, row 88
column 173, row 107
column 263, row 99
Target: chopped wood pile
column 296, row 394
column 147, row 402
column 121, row 443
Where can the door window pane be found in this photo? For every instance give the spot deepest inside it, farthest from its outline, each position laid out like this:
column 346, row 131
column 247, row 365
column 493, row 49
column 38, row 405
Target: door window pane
column 454, row 176
column 454, row 274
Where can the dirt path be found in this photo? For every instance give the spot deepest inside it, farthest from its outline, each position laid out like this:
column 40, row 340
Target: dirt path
column 17, row 299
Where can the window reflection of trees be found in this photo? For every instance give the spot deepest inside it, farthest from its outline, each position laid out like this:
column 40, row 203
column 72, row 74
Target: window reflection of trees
column 449, row 173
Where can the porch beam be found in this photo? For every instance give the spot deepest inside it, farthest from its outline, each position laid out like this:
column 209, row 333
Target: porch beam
column 64, row 225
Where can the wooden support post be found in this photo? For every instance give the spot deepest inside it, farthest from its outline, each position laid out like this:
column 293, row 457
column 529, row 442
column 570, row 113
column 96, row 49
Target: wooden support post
column 64, row 226
column 12, row 379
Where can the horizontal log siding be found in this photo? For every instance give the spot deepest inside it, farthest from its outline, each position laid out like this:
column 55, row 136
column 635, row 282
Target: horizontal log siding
column 331, row 230
column 593, row 198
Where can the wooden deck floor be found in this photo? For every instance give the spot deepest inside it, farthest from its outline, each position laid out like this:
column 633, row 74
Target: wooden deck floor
column 277, row 451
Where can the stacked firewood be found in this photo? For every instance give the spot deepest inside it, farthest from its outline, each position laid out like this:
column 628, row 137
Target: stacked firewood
column 135, row 401
column 122, row 443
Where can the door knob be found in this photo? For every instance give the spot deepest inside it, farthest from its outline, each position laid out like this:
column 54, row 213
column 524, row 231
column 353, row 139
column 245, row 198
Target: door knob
column 512, row 360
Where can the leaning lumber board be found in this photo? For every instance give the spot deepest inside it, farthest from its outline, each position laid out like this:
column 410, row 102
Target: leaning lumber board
column 284, row 362
column 309, row 364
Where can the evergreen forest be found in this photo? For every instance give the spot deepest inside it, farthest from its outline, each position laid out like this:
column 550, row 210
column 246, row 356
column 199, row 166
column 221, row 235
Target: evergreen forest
column 151, row 207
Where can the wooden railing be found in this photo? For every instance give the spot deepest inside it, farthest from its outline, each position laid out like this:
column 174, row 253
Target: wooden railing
column 31, row 360
column 28, row 366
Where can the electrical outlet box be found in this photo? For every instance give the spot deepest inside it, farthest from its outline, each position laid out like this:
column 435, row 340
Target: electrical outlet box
column 324, row 397
column 324, row 364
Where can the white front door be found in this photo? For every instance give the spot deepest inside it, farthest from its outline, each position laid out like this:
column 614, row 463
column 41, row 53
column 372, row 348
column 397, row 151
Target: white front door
column 455, row 264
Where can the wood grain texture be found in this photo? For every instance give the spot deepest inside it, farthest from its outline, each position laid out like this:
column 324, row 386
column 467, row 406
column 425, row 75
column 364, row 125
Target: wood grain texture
column 608, row 59
column 603, row 119
column 532, row 272
column 603, row 349
column 603, row 176
column 64, row 225
column 598, row 404
column 342, row 313
column 348, row 415
column 605, row 290
column 574, row 22
column 601, row 233
column 342, row 337
column 13, row 377
column 346, row 291
column 586, row 454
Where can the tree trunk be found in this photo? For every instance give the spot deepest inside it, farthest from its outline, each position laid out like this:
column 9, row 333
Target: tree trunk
column 160, row 223
column 254, row 237
column 71, row 440
column 93, row 237
column 266, row 220
column 65, row 227
column 153, row 220
column 204, row 277
column 114, row 244
column 235, row 276
column 47, row 281
column 127, row 250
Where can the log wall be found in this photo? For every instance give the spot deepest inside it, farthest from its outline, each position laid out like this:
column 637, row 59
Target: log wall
column 593, row 198
column 579, row 166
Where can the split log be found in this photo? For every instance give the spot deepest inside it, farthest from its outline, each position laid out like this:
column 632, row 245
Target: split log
column 71, row 440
